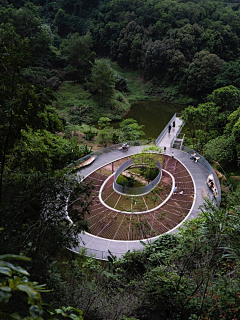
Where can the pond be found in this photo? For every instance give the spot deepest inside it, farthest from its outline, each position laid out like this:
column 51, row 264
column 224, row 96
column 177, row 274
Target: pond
column 154, row 115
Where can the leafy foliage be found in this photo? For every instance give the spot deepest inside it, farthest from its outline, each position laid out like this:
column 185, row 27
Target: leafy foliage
column 185, row 50
column 131, row 130
column 77, row 51
column 13, row 290
column 102, row 81
column 221, row 149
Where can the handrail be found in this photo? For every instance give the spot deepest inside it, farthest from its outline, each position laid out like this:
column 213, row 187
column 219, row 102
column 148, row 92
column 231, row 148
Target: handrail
column 135, row 191
column 102, row 255
column 207, row 165
column 164, row 130
column 112, row 148
column 175, row 137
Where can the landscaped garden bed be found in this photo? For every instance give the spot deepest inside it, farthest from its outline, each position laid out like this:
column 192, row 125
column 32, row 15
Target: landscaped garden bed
column 125, row 217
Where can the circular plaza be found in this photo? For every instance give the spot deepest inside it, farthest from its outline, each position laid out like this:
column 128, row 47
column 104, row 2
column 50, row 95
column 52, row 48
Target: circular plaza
column 126, row 217
column 112, row 229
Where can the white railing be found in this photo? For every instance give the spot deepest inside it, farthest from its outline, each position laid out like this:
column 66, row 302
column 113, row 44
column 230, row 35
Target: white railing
column 159, row 138
column 210, row 169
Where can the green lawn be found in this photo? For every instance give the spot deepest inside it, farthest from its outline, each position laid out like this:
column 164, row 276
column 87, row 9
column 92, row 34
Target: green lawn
column 136, row 85
column 79, row 106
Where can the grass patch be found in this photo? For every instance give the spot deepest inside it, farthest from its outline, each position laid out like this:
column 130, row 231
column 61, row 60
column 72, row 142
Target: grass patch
column 121, row 179
column 135, row 170
column 124, row 180
column 136, row 204
column 135, row 84
column 70, row 94
column 78, row 106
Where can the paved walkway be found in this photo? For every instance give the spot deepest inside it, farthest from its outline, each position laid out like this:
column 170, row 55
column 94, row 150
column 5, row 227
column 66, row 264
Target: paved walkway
column 99, row 246
column 167, row 138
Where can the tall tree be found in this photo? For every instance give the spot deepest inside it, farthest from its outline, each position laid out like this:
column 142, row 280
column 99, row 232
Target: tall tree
column 227, row 98
column 102, row 81
column 130, row 43
column 202, row 72
column 36, row 194
column 154, row 61
column 201, row 123
column 229, row 75
column 131, row 130
column 77, row 51
column 21, row 104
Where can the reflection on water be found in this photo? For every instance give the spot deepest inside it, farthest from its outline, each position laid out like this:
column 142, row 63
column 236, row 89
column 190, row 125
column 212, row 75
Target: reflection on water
column 153, row 114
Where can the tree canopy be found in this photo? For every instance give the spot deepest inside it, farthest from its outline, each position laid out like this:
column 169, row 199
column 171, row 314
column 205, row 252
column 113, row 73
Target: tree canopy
column 186, row 51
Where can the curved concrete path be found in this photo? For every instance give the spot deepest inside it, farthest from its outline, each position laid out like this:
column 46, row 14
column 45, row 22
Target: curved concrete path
column 99, row 246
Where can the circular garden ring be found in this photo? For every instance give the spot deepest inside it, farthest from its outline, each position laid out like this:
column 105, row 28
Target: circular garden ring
column 137, row 191
column 110, row 220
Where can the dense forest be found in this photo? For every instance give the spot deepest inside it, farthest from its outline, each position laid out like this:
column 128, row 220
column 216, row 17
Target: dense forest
column 66, row 64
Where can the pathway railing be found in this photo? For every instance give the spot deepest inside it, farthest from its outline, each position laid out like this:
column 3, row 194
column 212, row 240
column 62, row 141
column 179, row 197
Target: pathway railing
column 208, row 166
column 135, row 191
column 159, row 138
column 102, row 255
column 112, row 148
column 175, row 137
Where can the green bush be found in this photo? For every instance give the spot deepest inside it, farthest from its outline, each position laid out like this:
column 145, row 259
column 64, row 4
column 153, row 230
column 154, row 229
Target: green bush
column 220, row 149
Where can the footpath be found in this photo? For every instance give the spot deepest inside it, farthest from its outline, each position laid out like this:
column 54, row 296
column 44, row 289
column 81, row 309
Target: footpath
column 99, row 246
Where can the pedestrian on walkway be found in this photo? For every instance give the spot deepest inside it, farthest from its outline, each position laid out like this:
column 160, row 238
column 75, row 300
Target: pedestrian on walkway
column 173, row 124
column 172, row 155
column 169, row 128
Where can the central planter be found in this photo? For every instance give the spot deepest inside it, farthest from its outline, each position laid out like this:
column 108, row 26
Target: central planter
column 137, row 191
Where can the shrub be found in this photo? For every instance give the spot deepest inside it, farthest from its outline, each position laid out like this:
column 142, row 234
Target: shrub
column 220, row 149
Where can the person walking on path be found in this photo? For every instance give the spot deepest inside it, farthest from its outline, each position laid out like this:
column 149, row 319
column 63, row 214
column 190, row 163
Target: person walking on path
column 169, row 128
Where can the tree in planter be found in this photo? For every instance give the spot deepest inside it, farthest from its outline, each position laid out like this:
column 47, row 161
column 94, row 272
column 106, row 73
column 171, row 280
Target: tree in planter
column 127, row 181
column 148, row 158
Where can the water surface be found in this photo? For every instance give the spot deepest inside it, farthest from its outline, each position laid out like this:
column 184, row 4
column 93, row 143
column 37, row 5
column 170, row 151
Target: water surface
column 153, row 114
